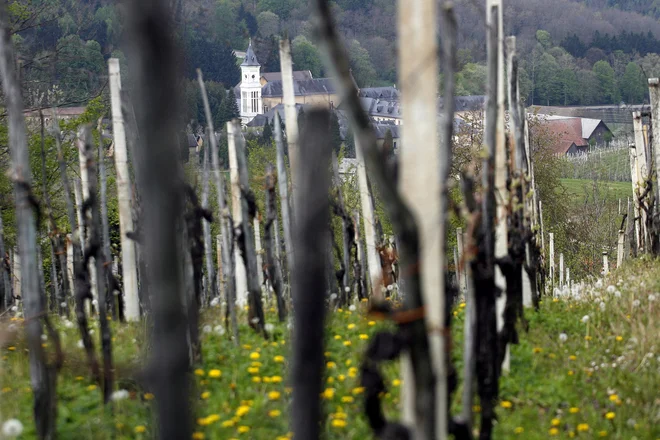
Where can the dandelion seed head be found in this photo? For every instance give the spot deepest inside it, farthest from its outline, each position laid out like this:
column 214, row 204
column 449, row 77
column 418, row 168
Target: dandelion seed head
column 12, row 428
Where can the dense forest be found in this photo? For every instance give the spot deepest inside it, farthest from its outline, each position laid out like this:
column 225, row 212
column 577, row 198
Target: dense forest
column 573, row 53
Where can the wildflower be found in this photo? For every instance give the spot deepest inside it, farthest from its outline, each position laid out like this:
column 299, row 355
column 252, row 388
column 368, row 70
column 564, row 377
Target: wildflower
column 269, row 327
column 274, row 413
column 338, row 423
column 243, row 429
column 80, row 344
column 331, row 365
column 198, row 436
column 253, row 370
column 582, row 427
column 91, row 387
column 256, row 379
column 602, row 434
column 148, row 396
column 572, row 357
column 347, row 343
column 274, row 395
column 611, row 289
column 329, row 393
column 341, row 378
column 215, row 302
column 371, row 323
column 140, row 429
column 364, row 336
column 619, row 338
column 555, row 422
column 206, row 395
column 266, row 379
column 350, row 326
column 352, row 307
column 587, row 338
column 254, row 355
column 553, row 431
column 333, row 297
column 574, row 410
column 119, row 395
column 228, row 423
column 570, row 372
column 396, row 382
column 614, row 398
column 206, row 329
column 199, row 372
column 352, row 372
column 12, row 428
column 585, row 319
column 563, row 337
column 215, row 373
column 635, row 303
column 652, row 298
column 331, row 380
column 519, row 430
column 537, row 350
column 610, row 415
column 347, row 399
column 506, row 404
column 242, row 410
column 279, row 359
column 357, row 390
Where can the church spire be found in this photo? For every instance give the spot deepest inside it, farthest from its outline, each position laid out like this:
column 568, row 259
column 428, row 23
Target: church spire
column 250, row 57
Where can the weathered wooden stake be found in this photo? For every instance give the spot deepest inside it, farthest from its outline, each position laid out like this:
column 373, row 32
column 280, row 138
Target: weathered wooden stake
column 128, row 256
column 561, row 270
column 210, row 286
column 552, row 263
column 461, row 257
column 290, row 113
column 606, row 264
column 237, row 216
column 256, row 225
column 654, row 92
column 641, row 169
column 619, row 249
column 283, row 187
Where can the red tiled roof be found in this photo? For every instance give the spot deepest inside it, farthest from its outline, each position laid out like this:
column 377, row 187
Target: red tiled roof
column 569, row 132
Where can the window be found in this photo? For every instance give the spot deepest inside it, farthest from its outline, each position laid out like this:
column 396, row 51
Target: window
column 255, row 102
column 244, row 101
column 265, row 109
column 332, row 104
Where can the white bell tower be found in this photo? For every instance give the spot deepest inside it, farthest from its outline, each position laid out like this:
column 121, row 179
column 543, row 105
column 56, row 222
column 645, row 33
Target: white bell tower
column 251, row 103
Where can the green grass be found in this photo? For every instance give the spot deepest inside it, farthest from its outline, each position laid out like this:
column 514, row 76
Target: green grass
column 577, row 189
column 547, row 377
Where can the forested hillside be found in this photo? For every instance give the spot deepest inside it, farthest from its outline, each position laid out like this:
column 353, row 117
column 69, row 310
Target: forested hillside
column 573, row 53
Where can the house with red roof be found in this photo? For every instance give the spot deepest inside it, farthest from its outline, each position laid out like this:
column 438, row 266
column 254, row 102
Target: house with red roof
column 574, row 135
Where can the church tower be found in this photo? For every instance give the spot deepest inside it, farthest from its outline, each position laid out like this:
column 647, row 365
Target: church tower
column 251, row 103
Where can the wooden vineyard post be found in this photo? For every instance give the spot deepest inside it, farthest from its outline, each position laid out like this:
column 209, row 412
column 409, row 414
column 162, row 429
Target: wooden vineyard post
column 220, row 279
column 606, row 264
column 419, row 161
column 3, row 269
column 568, row 277
column 552, row 263
column 17, row 275
column 561, row 270
column 85, row 238
column 69, row 263
column 373, row 260
column 290, row 113
column 641, row 171
column 620, row 248
column 654, row 92
column 128, row 253
column 237, row 216
column 283, row 188
column 461, row 256
column 256, row 225
column 211, row 284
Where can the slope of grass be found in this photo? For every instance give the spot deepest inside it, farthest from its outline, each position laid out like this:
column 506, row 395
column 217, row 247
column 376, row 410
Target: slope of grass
column 602, row 381
column 577, row 189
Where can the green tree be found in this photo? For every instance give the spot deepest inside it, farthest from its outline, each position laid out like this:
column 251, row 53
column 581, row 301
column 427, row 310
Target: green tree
column 363, row 71
column 349, row 144
column 266, row 138
column 608, row 91
column 306, row 56
column 282, row 8
column 335, row 133
column 633, row 87
column 269, row 23
column 544, row 39
column 548, row 87
column 471, row 80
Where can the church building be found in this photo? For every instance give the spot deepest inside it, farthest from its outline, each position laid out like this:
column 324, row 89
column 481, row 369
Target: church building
column 257, row 93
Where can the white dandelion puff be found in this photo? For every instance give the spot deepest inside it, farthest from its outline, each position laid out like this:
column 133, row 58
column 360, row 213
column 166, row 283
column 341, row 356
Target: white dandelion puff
column 333, row 297
column 119, row 395
column 14, row 308
column 390, row 287
column 80, row 344
column 617, row 294
column 347, row 289
column 602, row 305
column 68, row 324
column 585, row 319
column 269, row 327
column 254, row 320
column 206, row 329
column 219, row 330
column 563, row 337
column 651, row 298
column 215, row 301
column 611, row 289
column 12, row 428
column 352, row 307
column 635, row 303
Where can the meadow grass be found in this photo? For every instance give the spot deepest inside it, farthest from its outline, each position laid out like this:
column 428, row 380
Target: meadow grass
column 603, row 380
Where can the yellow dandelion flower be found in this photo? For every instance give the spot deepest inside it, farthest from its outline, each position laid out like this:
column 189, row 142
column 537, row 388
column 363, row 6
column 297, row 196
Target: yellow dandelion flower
column 199, row 372
column 247, row 347
column 555, row 422
column 254, row 355
column 213, row 418
column 331, row 365
column 571, row 434
column 279, row 359
column 274, row 413
column 582, row 427
column 338, row 423
column 614, row 398
column 256, row 364
column 91, row 388
column 347, row 343
column 553, row 431
column 79, row 378
column 572, row 357
column 140, row 429
column 506, row 404
column 476, row 408
column 256, row 379
column 371, row 323
column 352, row 372
column 274, row 395
column 396, row 382
column 519, row 430
column 228, row 423
column 357, row 390
column 242, row 410
column 206, row 395
column 215, row 373
column 587, row 338
column 364, row 300
column 364, row 336
column 350, row 326
column 348, row 362
column 6, row 389
column 282, row 437
column 266, row 379
column 276, row 379
column 330, row 380
column 148, row 396
column 610, row 415
column 337, row 337
column 11, row 348
column 570, row 372
column 253, row 370
column 243, row 429
column 198, row 436
column 537, row 350
column 619, row 338
column 119, row 426
column 602, row 434
column 347, row 399
column 274, row 344
column 574, row 410
column 340, row 310
column 328, row 393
